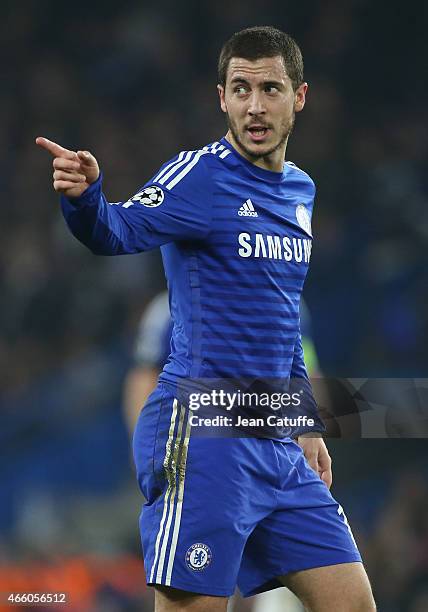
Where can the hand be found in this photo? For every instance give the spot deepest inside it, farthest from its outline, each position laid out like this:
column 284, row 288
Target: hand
column 317, row 456
column 73, row 172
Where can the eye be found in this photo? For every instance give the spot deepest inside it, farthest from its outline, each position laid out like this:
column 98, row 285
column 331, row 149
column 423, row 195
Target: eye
column 241, row 90
column 271, row 89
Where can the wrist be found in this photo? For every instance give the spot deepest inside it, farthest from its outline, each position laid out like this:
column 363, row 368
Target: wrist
column 310, row 434
column 90, row 195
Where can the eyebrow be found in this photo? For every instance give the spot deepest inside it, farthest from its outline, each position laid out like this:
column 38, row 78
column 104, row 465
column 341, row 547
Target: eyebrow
column 242, row 80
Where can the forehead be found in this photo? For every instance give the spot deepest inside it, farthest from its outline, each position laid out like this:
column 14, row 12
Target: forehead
column 263, row 69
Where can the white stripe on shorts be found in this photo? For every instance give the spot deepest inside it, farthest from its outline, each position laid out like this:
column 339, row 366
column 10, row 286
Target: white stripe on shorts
column 169, row 443
column 172, row 488
column 177, row 521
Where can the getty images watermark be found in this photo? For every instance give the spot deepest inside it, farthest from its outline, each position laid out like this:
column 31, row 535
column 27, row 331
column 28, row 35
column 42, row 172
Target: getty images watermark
column 233, row 401
column 348, row 407
column 229, row 400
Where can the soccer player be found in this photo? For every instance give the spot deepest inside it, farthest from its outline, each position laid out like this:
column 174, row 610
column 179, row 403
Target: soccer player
column 233, row 220
column 151, row 351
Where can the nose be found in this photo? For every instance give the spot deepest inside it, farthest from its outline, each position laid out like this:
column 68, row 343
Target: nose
column 256, row 106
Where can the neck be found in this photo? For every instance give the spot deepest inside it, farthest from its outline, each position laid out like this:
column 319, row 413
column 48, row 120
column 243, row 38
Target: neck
column 273, row 161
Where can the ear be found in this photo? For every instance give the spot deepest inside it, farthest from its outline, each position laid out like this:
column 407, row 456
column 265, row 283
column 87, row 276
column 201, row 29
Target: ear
column 300, row 97
column 221, row 92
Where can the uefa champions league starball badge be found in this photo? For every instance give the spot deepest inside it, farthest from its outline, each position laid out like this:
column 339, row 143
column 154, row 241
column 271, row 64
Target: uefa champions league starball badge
column 198, row 557
column 150, row 196
column 303, row 218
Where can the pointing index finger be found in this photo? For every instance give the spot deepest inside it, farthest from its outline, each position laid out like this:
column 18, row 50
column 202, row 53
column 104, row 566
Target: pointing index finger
column 55, row 149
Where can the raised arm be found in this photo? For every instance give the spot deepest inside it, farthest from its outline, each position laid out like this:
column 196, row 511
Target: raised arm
column 174, row 205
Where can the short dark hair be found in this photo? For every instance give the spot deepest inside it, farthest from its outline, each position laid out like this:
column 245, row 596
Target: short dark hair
column 262, row 41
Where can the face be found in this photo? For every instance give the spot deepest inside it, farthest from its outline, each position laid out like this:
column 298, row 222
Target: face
column 260, row 105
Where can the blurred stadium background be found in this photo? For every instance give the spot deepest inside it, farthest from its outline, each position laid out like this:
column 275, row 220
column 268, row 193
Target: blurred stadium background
column 134, row 82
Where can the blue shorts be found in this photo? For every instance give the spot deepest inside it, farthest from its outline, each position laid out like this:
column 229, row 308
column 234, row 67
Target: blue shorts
column 225, row 511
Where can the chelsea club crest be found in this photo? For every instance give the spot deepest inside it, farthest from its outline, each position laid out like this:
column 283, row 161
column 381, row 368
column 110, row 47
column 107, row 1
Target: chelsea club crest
column 198, row 557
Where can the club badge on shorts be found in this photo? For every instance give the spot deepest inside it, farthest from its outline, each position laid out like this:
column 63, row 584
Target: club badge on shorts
column 198, row 557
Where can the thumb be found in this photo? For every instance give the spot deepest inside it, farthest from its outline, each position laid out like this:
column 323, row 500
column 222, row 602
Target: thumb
column 86, row 158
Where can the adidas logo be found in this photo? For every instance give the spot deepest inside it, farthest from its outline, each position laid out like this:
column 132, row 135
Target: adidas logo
column 247, row 209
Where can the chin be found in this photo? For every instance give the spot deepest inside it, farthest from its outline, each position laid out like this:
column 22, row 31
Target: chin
column 259, row 150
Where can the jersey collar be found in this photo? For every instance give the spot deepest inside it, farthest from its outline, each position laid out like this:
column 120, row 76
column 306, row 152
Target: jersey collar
column 267, row 175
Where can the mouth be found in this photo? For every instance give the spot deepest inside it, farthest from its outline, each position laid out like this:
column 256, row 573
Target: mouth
column 258, row 133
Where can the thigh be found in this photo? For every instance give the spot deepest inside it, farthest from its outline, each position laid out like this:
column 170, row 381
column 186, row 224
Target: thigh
column 168, row 599
column 342, row 588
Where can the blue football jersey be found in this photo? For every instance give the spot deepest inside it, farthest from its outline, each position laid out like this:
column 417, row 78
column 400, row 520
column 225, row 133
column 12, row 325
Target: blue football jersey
column 236, row 244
